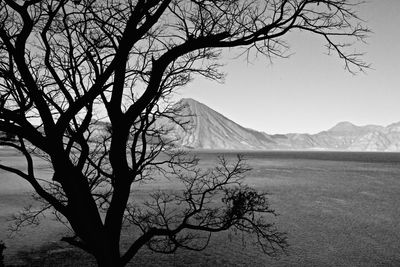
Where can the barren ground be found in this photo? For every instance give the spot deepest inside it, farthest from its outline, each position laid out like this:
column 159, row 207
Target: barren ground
column 337, row 211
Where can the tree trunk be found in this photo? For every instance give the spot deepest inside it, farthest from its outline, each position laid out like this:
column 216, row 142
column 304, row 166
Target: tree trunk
column 86, row 221
column 107, row 259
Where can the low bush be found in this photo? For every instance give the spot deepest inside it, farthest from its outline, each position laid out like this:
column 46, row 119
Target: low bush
column 2, row 248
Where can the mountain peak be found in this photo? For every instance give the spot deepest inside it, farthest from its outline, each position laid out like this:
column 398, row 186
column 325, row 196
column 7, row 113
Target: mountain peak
column 344, row 126
column 188, row 101
column 192, row 106
column 395, row 124
column 210, row 129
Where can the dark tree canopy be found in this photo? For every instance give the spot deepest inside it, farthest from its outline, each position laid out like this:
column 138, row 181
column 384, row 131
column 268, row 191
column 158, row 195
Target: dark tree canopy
column 86, row 85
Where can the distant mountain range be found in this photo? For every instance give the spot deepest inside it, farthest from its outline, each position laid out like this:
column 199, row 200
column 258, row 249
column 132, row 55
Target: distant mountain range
column 208, row 129
column 211, row 130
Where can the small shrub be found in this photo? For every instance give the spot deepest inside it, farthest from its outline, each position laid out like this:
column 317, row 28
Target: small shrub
column 2, row 248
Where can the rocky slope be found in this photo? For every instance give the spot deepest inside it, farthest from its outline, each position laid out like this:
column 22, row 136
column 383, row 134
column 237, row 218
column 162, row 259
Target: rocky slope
column 211, row 130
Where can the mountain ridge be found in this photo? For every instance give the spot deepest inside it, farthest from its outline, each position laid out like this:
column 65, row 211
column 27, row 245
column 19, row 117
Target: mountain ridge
column 212, row 130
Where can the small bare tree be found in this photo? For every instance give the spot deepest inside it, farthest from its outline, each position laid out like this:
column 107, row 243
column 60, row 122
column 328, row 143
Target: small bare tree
column 85, row 85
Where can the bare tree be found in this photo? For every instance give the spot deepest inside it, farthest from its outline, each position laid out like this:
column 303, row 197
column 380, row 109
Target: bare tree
column 69, row 69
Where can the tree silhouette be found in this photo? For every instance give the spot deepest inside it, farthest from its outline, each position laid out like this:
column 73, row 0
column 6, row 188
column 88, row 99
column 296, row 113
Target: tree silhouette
column 86, row 85
column 2, row 248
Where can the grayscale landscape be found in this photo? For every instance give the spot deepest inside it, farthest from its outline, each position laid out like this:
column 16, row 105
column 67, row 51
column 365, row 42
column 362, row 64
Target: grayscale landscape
column 339, row 208
column 204, row 133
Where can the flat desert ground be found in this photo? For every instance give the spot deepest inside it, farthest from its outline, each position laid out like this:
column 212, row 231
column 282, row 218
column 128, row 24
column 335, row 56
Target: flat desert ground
column 338, row 209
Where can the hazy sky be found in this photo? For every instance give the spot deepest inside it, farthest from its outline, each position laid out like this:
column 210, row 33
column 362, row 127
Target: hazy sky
column 311, row 91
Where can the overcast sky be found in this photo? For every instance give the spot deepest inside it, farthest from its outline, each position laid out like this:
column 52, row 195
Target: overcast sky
column 311, row 91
